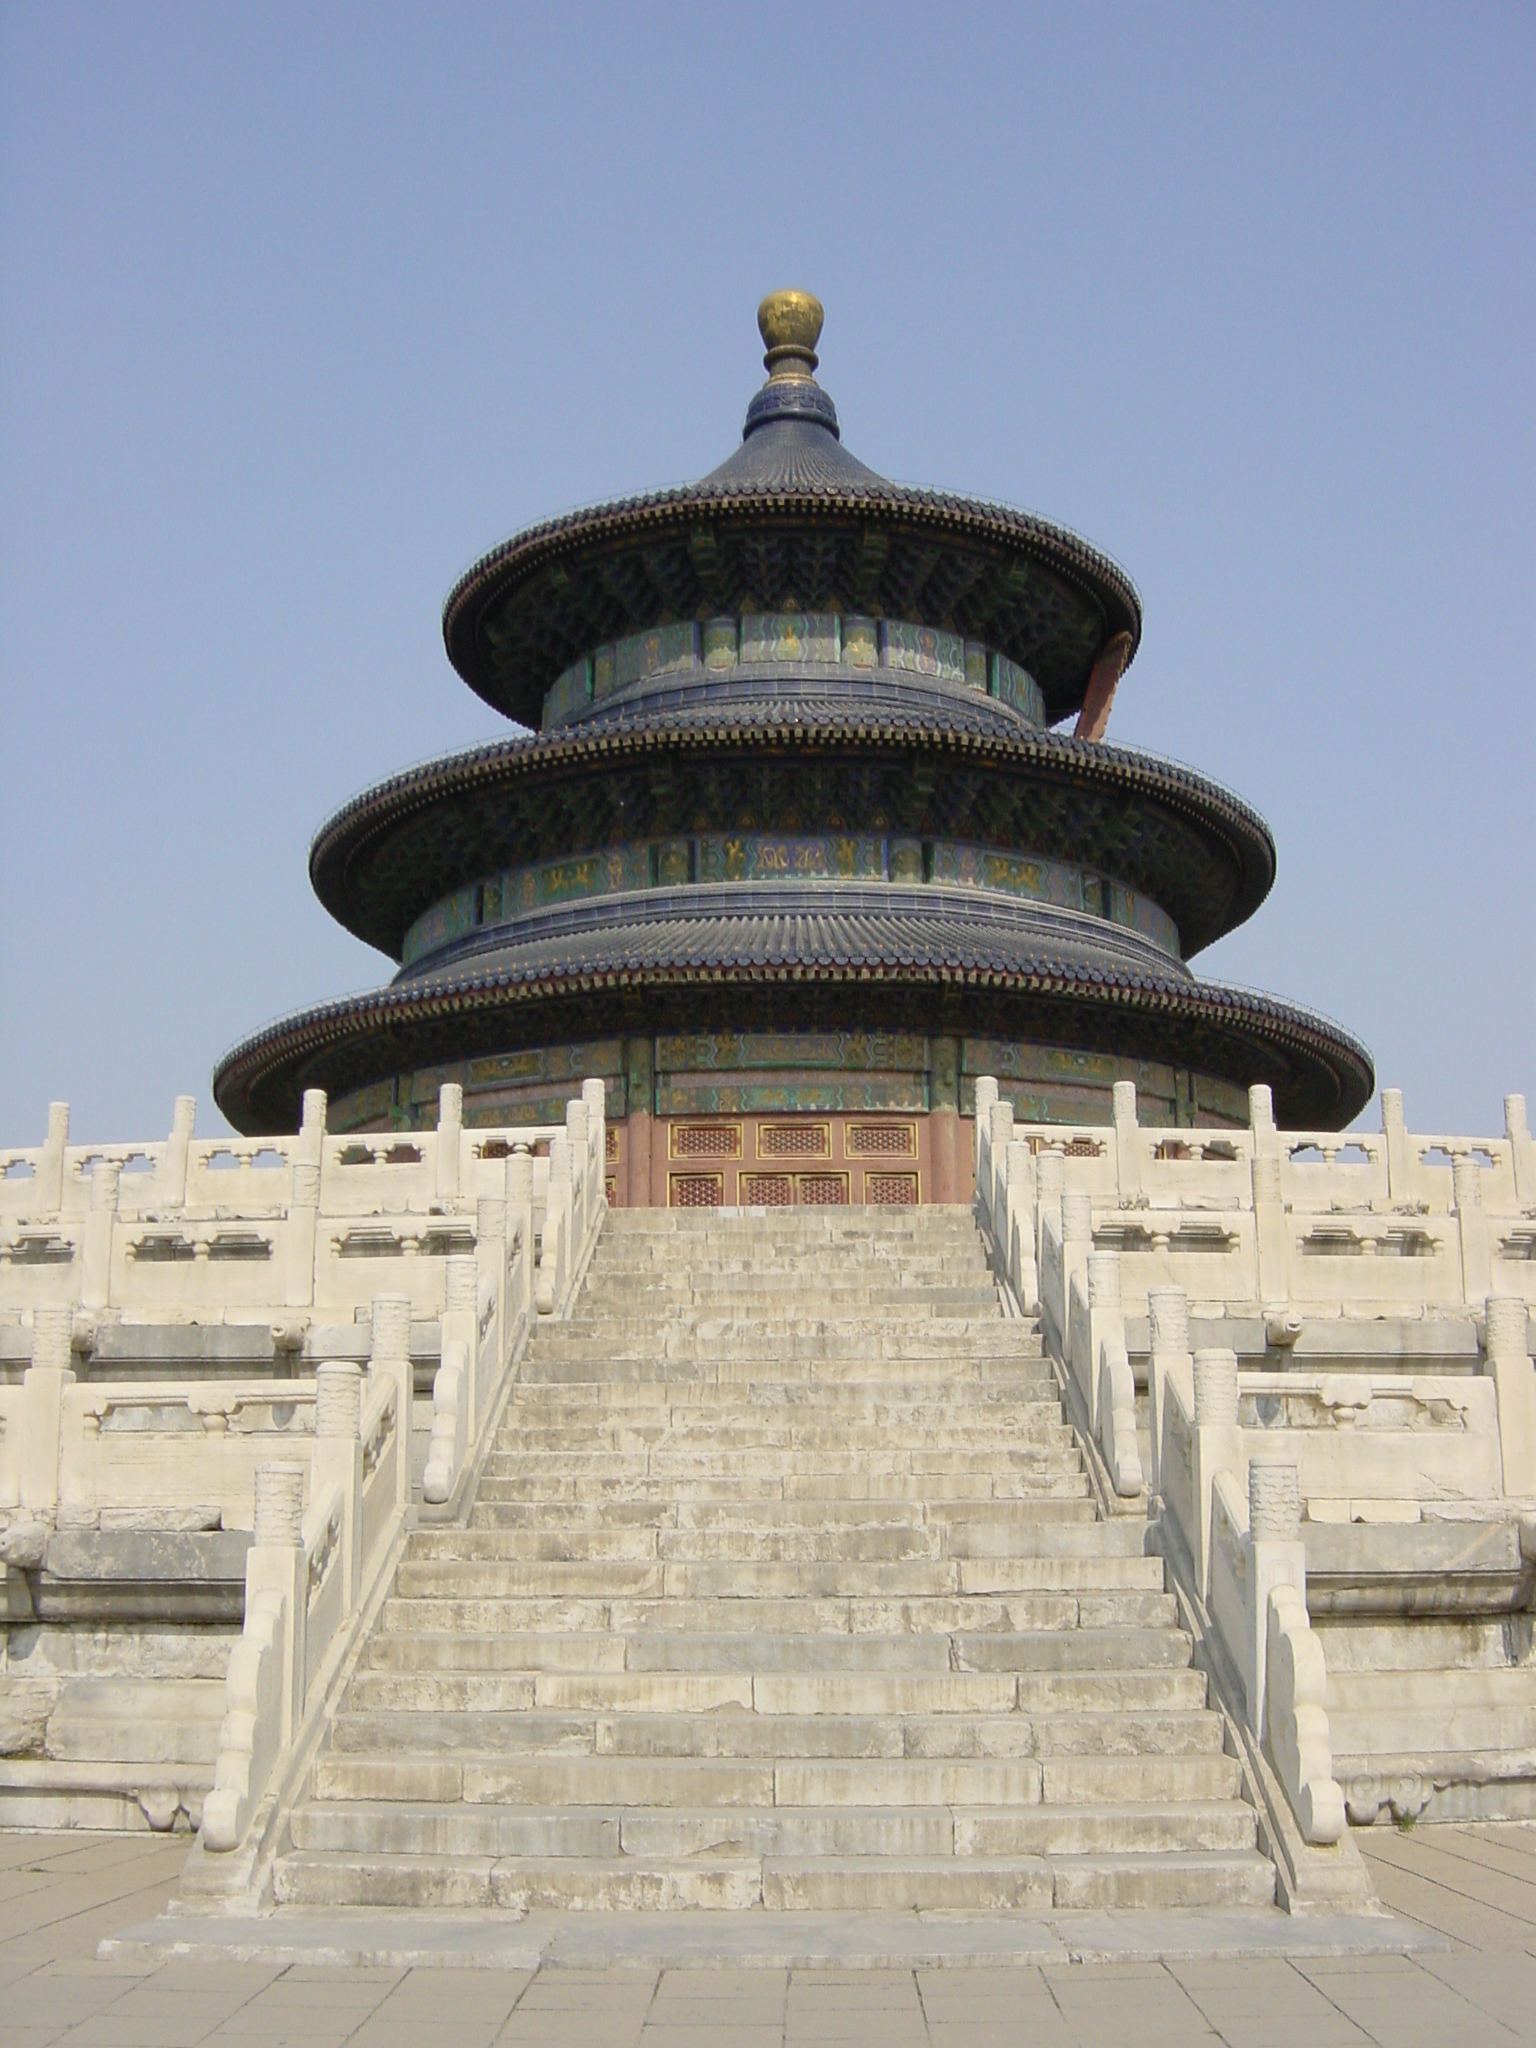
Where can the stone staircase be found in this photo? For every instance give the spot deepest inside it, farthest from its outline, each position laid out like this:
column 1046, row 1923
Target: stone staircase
column 783, row 1587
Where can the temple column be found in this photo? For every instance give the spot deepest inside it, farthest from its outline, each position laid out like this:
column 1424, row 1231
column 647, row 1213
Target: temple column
column 640, row 1093
column 944, row 1146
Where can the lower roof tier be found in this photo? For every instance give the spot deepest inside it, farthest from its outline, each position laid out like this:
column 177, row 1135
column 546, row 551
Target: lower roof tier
column 825, row 957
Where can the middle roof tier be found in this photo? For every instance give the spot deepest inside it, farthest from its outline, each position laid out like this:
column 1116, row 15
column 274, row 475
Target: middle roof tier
column 925, row 781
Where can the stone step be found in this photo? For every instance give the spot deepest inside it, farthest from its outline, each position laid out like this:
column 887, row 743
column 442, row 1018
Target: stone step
column 762, row 1232
column 825, row 1483
column 722, row 1730
column 776, row 1619
column 916, row 1277
column 516, row 1521
column 1196, row 1826
column 680, row 1301
column 962, row 1343
column 815, row 1884
column 850, row 1398
column 1086, row 1649
column 1021, row 1459
column 519, row 1885
column 964, row 1369
column 609, row 1779
column 780, row 1626
column 1040, row 1432
column 955, row 1523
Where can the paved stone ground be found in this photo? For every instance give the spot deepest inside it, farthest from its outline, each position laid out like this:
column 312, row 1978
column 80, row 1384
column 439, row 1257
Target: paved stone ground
column 59, row 1895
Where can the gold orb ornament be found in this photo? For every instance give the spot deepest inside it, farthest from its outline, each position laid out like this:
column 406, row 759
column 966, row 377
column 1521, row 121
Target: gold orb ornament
column 790, row 324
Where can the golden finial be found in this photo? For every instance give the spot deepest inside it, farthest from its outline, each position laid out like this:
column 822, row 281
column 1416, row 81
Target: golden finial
column 790, row 324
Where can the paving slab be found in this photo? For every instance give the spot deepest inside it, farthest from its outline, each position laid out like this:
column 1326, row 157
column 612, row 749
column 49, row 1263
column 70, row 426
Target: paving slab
column 1441, row 1969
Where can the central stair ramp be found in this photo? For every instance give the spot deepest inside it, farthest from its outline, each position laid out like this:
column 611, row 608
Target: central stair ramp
column 783, row 1587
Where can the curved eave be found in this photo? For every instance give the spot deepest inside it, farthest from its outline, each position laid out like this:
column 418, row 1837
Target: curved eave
column 342, row 848
column 536, row 568
column 258, row 1085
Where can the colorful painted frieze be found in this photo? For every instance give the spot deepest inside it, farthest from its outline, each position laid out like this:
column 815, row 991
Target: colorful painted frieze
column 1017, row 687
column 789, row 636
column 924, row 651
column 720, row 643
column 774, row 857
column 570, row 692
column 728, row 1050
column 861, row 641
column 1141, row 914
column 362, row 1108
column 785, row 1097
column 446, row 921
column 853, row 639
column 664, row 651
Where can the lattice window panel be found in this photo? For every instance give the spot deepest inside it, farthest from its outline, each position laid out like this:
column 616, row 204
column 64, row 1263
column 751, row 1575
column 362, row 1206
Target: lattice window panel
column 766, row 1190
column 822, row 1190
column 611, row 1144
column 696, row 1191
column 891, row 1190
column 881, row 1141
column 794, row 1141
column 611, row 1190
column 706, row 1141
column 1083, row 1148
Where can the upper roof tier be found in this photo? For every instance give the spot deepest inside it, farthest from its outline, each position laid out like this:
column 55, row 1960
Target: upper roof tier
column 791, row 522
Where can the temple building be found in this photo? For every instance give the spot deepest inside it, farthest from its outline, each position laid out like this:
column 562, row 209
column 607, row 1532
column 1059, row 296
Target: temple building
column 806, row 820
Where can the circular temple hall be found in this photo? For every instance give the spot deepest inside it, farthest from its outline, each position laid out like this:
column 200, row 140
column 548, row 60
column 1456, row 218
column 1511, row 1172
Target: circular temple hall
column 805, row 819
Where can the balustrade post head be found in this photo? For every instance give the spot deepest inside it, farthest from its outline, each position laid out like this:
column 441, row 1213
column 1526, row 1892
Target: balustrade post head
column 313, row 1116
column 1261, row 1108
column 1076, row 1216
column 1515, row 1123
column 1168, row 1321
column 461, row 1284
column 390, row 1342
column 1505, row 1330
column 1104, row 1281
column 279, row 1517
column 1392, row 1118
column 53, row 1336
column 1215, row 1388
column 1274, row 1498
column 338, row 1398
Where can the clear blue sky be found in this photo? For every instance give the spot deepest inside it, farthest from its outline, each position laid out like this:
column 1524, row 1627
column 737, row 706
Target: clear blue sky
column 302, row 309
